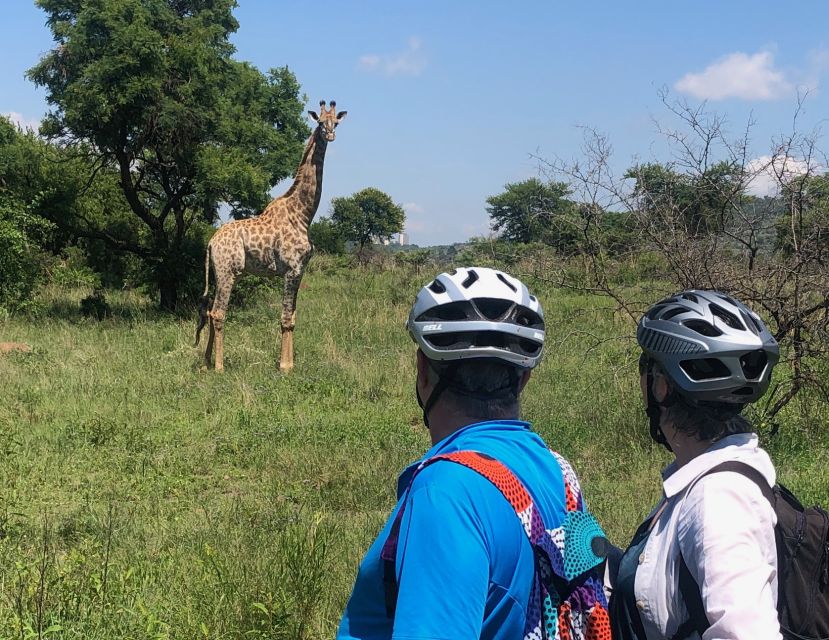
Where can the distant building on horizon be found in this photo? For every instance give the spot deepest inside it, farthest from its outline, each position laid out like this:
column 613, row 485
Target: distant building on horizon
column 398, row 239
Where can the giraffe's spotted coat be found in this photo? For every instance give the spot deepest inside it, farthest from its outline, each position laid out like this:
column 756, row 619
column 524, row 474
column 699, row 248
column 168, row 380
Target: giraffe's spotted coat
column 274, row 243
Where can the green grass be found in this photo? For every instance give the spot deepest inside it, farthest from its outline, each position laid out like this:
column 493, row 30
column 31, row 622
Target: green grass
column 142, row 497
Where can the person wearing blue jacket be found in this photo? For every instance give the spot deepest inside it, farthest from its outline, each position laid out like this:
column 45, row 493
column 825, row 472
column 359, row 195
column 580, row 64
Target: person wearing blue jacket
column 463, row 566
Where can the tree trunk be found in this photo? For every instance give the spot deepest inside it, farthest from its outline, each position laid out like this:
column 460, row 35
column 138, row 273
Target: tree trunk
column 169, row 294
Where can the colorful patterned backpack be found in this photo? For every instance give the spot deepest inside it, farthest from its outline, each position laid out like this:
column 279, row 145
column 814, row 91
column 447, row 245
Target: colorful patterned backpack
column 567, row 600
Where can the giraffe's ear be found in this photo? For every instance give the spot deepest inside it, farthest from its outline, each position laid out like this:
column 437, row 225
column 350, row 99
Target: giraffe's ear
column 314, row 116
column 341, row 115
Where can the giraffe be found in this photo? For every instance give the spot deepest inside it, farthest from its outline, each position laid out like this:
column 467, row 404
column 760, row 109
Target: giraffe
column 274, row 243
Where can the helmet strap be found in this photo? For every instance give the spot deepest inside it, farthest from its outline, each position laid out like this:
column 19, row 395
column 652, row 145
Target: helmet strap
column 446, row 379
column 441, row 386
column 654, row 411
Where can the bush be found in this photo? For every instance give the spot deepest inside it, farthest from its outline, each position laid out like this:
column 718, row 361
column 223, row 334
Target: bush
column 96, row 306
column 72, row 271
column 326, row 237
column 20, row 255
column 186, row 270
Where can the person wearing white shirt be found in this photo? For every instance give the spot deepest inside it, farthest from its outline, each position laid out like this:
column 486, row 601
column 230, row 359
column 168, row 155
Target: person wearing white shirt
column 704, row 357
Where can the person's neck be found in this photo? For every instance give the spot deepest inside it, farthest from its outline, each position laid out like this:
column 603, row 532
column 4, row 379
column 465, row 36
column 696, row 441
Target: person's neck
column 684, row 447
column 443, row 423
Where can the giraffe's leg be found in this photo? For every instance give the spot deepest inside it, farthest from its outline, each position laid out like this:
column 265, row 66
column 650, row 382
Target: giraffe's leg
column 224, row 285
column 292, row 280
column 211, row 336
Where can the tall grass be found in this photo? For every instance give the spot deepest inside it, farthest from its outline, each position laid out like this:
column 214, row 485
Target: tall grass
column 143, row 497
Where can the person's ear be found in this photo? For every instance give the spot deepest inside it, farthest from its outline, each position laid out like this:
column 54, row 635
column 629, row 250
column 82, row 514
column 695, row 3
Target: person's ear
column 661, row 387
column 523, row 380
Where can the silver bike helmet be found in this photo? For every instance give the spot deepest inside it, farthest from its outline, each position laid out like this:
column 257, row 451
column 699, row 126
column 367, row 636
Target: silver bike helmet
column 714, row 348
column 477, row 312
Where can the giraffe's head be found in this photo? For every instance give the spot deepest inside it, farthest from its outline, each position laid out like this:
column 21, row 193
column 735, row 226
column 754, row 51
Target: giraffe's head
column 327, row 120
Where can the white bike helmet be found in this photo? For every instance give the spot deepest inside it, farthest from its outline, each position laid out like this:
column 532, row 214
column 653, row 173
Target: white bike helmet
column 713, row 347
column 477, row 312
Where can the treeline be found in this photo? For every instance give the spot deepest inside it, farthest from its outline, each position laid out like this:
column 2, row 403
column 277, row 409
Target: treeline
column 691, row 223
column 154, row 126
column 154, row 130
column 536, row 211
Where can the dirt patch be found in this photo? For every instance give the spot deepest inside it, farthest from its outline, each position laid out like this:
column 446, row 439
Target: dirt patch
column 14, row 347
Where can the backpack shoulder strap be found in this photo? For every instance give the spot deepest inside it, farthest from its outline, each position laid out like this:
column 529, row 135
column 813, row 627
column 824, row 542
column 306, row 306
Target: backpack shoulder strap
column 498, row 474
column 688, row 587
column 749, row 472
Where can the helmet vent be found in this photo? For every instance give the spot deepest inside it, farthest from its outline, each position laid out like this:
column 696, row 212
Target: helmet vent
column 529, row 347
column 727, row 317
column 655, row 311
column 705, row 369
column 461, row 310
column 506, row 282
column 527, row 318
column 437, row 286
column 752, row 324
column 483, row 339
column 702, row 327
column 670, row 313
column 754, row 364
column 471, row 279
column 728, row 299
column 493, row 308
column 748, row 322
column 690, row 297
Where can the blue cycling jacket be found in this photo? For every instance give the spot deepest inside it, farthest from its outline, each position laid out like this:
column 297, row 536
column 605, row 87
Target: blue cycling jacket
column 464, row 564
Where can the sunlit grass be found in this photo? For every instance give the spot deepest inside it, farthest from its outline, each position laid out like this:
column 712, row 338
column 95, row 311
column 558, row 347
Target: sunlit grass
column 143, row 497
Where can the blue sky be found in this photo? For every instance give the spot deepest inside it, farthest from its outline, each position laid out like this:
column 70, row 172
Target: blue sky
column 448, row 100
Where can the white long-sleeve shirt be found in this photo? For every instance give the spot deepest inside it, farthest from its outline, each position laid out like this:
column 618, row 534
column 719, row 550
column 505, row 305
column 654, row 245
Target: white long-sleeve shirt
column 724, row 527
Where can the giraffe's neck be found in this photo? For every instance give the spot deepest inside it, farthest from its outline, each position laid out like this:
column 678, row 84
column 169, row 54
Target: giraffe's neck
column 305, row 193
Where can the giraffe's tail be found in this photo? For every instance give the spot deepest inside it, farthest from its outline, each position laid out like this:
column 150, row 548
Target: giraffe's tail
column 204, row 302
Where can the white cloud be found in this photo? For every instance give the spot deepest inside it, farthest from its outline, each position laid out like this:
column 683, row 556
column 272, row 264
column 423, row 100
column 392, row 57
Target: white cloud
column 22, row 121
column 409, row 62
column 819, row 60
column 817, row 66
column 738, row 75
column 766, row 171
column 412, row 207
column 370, row 62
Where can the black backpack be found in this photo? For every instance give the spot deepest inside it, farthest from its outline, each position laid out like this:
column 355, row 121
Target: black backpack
column 802, row 566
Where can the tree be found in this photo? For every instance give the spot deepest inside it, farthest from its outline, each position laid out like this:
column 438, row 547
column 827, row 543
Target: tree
column 23, row 234
column 367, row 215
column 325, row 236
column 148, row 94
column 698, row 202
column 694, row 216
column 530, row 211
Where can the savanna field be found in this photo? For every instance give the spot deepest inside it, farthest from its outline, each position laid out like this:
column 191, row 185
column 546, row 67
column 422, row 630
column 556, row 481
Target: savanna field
column 143, row 497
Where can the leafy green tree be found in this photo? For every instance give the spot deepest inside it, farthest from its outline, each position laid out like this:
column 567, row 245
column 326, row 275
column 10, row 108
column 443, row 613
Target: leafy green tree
column 367, row 215
column 20, row 264
column 148, row 94
column 804, row 228
column 23, row 234
column 532, row 211
column 326, row 237
column 702, row 202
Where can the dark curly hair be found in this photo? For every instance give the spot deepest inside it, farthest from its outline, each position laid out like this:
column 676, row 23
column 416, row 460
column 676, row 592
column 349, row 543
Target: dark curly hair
column 702, row 420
